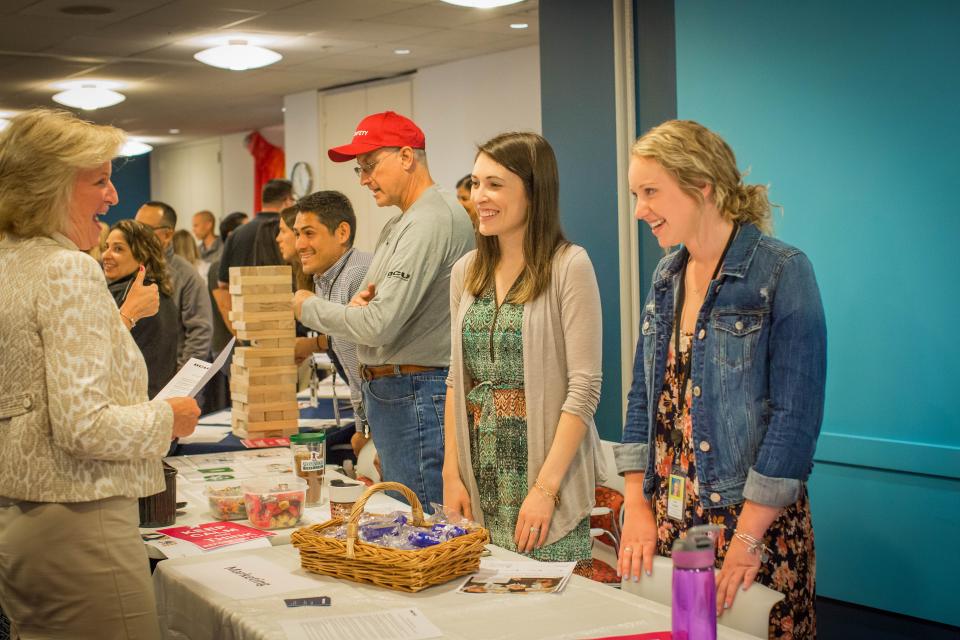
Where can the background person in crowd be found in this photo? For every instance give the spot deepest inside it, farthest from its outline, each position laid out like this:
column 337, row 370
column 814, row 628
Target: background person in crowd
column 266, row 253
column 193, row 303
column 287, row 245
column 522, row 449
column 82, row 442
column 401, row 324
column 184, row 246
column 130, row 246
column 97, row 251
column 209, row 244
column 728, row 382
column 239, row 249
column 324, row 229
column 464, row 185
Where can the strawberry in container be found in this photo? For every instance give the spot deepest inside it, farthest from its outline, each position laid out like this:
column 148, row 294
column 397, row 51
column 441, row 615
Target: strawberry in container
column 276, row 502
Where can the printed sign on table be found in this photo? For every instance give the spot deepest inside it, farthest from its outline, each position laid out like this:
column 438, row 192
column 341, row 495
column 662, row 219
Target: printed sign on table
column 213, row 535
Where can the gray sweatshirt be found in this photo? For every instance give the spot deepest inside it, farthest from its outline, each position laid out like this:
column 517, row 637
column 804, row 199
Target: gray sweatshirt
column 193, row 303
column 408, row 321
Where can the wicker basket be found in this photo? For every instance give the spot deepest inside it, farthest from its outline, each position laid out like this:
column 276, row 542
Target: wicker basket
column 399, row 569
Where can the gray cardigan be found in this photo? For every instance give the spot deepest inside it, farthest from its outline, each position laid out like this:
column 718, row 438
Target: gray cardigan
column 561, row 372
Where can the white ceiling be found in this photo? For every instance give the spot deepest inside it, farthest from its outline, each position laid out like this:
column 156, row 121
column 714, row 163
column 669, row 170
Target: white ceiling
column 148, row 46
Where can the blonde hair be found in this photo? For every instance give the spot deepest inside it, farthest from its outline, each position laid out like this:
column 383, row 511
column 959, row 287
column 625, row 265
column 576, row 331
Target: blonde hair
column 696, row 156
column 185, row 246
column 41, row 152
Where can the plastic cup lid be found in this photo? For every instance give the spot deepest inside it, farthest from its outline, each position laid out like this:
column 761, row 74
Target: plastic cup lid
column 312, row 436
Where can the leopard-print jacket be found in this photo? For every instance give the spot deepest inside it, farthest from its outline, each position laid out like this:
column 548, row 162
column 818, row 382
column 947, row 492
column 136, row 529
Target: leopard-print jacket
column 75, row 423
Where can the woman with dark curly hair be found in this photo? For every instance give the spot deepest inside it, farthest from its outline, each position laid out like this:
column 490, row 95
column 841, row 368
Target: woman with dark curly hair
column 129, row 245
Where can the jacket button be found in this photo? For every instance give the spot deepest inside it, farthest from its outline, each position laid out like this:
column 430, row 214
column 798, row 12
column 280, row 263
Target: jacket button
column 704, row 446
column 646, row 325
column 738, row 325
column 696, row 391
column 702, row 334
column 714, row 497
column 27, row 403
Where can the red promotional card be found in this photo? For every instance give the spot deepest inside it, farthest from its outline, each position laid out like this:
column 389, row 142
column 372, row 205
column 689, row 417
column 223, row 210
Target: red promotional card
column 213, row 535
column 264, row 443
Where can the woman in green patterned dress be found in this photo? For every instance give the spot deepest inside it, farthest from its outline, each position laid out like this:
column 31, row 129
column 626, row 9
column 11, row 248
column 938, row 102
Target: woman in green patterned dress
column 522, row 450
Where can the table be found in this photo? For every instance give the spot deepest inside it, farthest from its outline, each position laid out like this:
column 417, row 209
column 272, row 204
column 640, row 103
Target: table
column 247, row 463
column 190, row 610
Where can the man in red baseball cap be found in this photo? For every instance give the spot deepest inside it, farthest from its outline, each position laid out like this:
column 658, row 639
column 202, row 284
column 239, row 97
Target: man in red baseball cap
column 401, row 322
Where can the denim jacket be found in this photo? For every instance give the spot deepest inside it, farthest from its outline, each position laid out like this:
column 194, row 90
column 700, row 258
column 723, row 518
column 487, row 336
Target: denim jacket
column 758, row 374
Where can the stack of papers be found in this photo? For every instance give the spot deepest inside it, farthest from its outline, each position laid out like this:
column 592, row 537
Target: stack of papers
column 524, row 576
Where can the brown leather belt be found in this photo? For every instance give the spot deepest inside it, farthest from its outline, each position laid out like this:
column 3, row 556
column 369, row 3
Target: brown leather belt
column 372, row 373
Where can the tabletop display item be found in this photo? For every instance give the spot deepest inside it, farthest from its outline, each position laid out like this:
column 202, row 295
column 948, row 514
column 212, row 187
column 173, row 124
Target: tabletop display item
column 263, row 381
column 399, row 569
column 160, row 509
column 275, row 503
column 226, row 500
column 309, row 462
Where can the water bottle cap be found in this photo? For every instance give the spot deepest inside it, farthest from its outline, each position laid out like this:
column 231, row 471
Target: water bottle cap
column 695, row 550
column 702, row 559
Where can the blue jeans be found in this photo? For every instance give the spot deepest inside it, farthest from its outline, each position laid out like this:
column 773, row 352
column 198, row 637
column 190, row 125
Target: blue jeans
column 406, row 421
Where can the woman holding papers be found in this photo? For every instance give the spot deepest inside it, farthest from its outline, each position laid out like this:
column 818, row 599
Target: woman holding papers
column 521, row 444
column 80, row 440
column 133, row 249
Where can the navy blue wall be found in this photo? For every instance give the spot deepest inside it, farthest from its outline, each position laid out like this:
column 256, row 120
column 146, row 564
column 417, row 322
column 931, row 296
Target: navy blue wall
column 579, row 120
column 131, row 177
column 849, row 110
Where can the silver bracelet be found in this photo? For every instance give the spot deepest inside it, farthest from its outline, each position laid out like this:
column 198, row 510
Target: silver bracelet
column 754, row 545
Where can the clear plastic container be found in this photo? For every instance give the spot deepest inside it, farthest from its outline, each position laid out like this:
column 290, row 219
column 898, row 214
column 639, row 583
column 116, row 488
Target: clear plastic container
column 309, row 462
column 226, row 500
column 275, row 502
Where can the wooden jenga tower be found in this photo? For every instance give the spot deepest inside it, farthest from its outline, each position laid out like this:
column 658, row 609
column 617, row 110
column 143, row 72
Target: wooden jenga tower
column 263, row 382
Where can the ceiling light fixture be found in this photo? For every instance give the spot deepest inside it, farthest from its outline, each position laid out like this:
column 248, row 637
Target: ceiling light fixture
column 174, row 131
column 402, row 52
column 89, row 96
column 135, row 148
column 519, row 25
column 238, row 55
column 482, row 4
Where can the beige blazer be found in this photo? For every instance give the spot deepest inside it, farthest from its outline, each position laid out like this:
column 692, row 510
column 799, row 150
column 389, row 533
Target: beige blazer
column 75, row 424
column 562, row 344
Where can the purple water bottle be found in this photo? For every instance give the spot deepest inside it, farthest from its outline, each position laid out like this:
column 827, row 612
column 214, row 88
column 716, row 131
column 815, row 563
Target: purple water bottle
column 694, row 604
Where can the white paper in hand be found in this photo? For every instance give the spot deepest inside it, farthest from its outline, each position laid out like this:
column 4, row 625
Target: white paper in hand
column 194, row 375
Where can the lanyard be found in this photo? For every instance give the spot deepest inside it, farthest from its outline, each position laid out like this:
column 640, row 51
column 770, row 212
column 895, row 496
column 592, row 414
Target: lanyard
column 346, row 259
column 685, row 370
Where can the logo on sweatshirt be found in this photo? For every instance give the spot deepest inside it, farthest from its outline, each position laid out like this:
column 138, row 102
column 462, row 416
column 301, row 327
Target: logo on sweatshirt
column 398, row 274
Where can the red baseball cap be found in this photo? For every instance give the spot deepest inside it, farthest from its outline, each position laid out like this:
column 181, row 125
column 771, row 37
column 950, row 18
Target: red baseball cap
column 387, row 129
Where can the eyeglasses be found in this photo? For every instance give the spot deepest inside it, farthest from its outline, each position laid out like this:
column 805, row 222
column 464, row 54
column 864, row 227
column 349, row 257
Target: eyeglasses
column 367, row 169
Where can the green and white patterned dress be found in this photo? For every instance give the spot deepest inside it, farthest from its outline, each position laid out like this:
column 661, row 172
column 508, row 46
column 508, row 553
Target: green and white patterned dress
column 497, row 417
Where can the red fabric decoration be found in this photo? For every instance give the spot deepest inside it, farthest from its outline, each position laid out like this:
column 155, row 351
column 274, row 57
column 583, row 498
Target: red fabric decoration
column 268, row 164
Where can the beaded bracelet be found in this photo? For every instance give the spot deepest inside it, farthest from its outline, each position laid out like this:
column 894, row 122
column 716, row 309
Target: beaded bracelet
column 555, row 496
column 753, row 545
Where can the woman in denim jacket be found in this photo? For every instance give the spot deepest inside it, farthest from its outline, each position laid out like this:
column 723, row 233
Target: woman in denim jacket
column 725, row 433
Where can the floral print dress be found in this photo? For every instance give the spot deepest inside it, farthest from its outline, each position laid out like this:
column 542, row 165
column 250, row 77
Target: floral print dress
column 497, row 416
column 791, row 566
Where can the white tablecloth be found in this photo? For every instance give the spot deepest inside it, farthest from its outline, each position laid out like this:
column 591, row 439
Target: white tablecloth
column 190, row 610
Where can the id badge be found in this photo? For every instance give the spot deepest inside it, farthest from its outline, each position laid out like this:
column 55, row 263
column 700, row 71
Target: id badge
column 676, row 496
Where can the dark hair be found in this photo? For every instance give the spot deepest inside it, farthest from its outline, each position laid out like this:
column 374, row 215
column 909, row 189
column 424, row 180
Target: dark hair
column 465, row 182
column 300, row 279
column 230, row 223
column 276, row 191
column 265, row 250
column 169, row 215
column 530, row 157
column 332, row 208
column 147, row 250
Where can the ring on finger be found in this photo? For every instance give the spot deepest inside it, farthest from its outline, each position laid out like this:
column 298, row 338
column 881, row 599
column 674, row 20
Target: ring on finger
column 628, row 549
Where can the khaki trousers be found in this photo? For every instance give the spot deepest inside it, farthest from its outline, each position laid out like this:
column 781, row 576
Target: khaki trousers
column 76, row 570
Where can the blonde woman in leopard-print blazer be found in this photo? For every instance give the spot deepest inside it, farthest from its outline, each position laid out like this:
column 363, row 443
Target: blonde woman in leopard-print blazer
column 79, row 441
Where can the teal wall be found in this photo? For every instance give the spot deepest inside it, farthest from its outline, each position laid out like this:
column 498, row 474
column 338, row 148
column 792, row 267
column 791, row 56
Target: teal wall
column 579, row 120
column 131, row 177
column 849, row 111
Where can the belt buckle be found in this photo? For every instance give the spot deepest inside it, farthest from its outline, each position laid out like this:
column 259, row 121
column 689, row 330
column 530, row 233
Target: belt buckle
column 365, row 373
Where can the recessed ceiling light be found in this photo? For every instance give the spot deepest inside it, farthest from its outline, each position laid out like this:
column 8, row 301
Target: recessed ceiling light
column 482, row 4
column 519, row 25
column 135, row 148
column 238, row 55
column 402, row 52
column 89, row 96
column 174, row 131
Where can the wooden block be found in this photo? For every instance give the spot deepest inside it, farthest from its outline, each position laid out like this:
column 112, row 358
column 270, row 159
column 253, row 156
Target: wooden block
column 255, row 396
column 282, row 296
column 285, row 404
column 256, row 352
column 242, row 385
column 258, row 289
column 265, row 325
column 254, row 280
column 241, row 305
column 274, row 343
column 273, row 270
column 276, row 429
column 264, row 333
column 252, row 377
column 265, row 362
column 260, row 316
